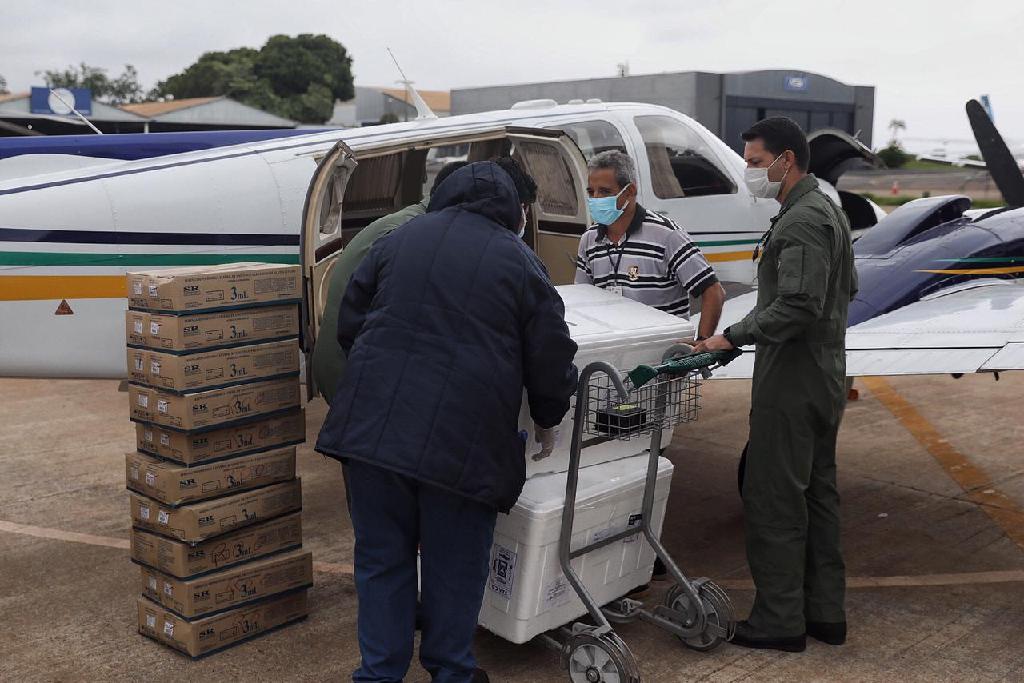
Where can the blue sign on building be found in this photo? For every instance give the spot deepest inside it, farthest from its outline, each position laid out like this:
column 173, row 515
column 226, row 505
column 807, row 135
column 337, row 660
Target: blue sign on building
column 43, row 101
column 796, row 83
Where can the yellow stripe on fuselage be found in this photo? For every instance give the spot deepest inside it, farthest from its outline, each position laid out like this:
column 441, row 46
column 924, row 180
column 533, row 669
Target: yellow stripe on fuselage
column 1003, row 270
column 44, row 287
column 718, row 257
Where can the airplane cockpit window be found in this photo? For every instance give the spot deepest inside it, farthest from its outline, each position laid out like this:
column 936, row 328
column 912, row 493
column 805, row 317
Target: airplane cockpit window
column 681, row 163
column 593, row 137
column 556, row 189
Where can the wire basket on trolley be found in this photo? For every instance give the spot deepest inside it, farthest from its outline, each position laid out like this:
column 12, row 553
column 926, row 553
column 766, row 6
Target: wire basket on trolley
column 661, row 403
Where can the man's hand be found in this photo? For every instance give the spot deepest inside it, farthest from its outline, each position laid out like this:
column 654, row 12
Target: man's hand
column 715, row 343
column 547, row 438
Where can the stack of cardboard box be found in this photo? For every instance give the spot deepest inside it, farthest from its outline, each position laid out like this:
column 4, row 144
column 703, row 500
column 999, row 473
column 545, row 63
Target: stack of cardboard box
column 213, row 360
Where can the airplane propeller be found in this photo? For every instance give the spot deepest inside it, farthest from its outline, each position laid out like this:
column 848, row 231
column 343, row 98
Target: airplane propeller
column 1000, row 162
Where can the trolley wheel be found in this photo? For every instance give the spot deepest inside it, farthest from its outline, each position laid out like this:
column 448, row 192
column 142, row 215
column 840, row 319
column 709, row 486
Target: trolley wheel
column 719, row 624
column 600, row 659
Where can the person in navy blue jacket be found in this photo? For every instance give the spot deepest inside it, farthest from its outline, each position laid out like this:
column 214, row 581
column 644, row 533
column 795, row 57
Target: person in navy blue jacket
column 444, row 323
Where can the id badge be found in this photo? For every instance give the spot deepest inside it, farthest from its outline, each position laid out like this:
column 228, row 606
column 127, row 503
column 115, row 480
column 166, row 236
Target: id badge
column 616, row 290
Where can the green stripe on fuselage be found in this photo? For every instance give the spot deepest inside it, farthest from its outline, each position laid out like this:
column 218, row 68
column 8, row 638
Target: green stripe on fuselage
column 47, row 258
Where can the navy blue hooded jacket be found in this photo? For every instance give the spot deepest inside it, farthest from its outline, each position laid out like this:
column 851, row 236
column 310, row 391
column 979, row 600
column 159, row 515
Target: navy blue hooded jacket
column 445, row 322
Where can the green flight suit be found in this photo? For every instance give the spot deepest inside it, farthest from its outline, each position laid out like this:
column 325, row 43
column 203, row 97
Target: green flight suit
column 329, row 360
column 805, row 281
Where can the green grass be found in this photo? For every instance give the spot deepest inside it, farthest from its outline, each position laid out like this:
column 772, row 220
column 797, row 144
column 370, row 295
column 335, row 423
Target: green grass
column 919, row 165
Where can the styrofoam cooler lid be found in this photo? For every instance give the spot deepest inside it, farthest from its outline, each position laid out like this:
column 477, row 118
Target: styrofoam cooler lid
column 598, row 318
column 544, row 495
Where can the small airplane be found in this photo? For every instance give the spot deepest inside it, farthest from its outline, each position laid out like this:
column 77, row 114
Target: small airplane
column 67, row 236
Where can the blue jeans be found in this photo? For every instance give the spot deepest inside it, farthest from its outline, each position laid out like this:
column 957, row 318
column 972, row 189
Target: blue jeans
column 392, row 516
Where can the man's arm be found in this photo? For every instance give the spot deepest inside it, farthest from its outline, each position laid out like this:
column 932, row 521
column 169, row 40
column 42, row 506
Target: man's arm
column 584, row 276
column 359, row 293
column 685, row 260
column 803, row 268
column 711, row 302
column 548, row 372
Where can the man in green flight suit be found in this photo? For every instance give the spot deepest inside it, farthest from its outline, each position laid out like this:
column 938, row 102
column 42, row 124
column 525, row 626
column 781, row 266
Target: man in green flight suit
column 805, row 280
column 328, row 359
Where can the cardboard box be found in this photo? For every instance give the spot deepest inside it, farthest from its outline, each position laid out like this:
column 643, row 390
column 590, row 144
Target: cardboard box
column 212, row 369
column 204, row 331
column 191, row 448
column 223, row 590
column 136, row 326
column 203, row 636
column 202, row 409
column 176, row 484
column 229, row 285
column 183, row 560
column 208, row 518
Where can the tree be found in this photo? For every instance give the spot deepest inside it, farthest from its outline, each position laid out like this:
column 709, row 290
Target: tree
column 3, row 86
column 125, row 89
column 297, row 78
column 893, row 155
column 896, row 125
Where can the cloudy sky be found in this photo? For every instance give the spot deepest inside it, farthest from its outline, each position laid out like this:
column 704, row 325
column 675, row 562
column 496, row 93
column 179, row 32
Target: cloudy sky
column 925, row 58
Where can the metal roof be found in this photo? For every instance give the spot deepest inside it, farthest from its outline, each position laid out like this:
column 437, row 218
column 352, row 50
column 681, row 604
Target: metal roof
column 155, row 109
column 438, row 100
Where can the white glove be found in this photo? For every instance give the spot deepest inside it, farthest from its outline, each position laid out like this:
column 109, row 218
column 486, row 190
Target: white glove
column 547, row 438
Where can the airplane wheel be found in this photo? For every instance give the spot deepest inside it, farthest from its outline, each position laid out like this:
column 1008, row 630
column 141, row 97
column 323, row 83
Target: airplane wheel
column 601, row 659
column 720, row 623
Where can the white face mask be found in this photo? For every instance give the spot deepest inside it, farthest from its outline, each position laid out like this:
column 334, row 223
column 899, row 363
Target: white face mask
column 522, row 226
column 758, row 183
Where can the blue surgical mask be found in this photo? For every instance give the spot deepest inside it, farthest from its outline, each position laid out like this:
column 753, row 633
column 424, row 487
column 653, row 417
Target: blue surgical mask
column 604, row 210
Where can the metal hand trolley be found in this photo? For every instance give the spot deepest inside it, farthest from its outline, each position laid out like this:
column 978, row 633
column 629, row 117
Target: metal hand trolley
column 643, row 402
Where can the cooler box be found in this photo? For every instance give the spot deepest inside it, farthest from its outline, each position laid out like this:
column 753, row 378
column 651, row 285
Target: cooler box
column 610, row 328
column 527, row 592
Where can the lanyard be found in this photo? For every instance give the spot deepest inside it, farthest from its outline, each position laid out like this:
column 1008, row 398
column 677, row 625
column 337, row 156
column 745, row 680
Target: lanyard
column 615, row 264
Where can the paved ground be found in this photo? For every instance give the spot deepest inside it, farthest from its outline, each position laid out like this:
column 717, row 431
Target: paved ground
column 931, row 475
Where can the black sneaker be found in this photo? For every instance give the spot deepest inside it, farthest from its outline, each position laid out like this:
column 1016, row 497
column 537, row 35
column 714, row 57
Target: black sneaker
column 747, row 636
column 480, row 676
column 830, row 633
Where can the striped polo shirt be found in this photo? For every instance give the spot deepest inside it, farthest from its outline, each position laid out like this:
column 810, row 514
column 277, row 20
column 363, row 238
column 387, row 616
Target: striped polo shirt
column 656, row 263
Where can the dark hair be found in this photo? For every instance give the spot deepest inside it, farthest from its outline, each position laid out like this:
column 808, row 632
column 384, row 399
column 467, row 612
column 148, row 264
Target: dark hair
column 526, row 187
column 777, row 134
column 446, row 170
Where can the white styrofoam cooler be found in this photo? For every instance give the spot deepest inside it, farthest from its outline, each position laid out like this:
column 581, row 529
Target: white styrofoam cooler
column 610, row 328
column 527, row 592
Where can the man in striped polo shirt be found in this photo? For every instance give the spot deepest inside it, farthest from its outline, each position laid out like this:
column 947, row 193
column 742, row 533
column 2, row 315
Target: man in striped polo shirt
column 640, row 254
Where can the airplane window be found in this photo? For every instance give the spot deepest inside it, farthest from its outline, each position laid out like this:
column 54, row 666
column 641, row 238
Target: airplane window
column 682, row 164
column 556, row 190
column 593, row 137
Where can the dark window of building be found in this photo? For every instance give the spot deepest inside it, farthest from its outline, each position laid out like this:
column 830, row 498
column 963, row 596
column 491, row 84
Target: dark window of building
column 681, row 162
column 594, row 137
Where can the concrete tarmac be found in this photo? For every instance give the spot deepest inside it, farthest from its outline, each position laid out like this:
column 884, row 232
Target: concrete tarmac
column 931, row 474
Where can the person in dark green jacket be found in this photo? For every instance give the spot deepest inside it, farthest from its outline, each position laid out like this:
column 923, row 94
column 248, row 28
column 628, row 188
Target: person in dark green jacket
column 328, row 359
column 805, row 281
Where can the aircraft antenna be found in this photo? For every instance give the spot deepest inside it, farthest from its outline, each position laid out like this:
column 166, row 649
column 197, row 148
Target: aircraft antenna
column 422, row 110
column 75, row 111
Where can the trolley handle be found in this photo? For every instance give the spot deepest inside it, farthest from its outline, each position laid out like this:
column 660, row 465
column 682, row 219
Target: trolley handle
column 643, row 374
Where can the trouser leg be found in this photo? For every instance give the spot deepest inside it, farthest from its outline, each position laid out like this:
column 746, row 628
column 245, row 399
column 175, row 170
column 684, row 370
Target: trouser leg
column 385, row 514
column 825, row 571
column 455, row 535
column 778, row 467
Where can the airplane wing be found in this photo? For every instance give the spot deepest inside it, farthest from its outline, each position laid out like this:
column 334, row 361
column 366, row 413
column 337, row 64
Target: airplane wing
column 975, row 327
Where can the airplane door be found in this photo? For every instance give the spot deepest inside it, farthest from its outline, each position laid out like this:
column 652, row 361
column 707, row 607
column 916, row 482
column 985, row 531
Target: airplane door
column 559, row 216
column 321, row 241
